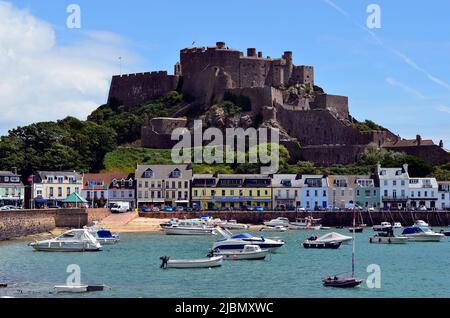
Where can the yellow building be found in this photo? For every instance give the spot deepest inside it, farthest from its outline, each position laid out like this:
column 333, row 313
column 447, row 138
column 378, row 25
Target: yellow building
column 50, row 188
column 231, row 192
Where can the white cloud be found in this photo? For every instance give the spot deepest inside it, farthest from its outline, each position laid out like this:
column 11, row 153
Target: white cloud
column 404, row 87
column 444, row 109
column 44, row 81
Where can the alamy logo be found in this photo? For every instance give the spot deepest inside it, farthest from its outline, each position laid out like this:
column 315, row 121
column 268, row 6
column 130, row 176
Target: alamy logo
column 74, row 19
column 230, row 148
column 374, row 18
column 74, row 279
column 374, row 279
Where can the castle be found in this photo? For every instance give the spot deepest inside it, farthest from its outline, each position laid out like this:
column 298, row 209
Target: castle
column 283, row 94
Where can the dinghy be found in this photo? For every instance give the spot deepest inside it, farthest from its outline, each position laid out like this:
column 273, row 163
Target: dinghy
column 215, row 261
column 321, row 245
column 78, row 288
column 278, row 228
column 334, row 237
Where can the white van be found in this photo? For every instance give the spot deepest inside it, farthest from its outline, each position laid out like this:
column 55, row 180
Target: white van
column 120, row 207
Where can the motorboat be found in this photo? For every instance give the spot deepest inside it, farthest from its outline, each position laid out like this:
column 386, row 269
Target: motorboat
column 446, row 233
column 278, row 228
column 249, row 252
column 314, row 242
column 232, row 241
column 397, row 225
column 210, row 262
column 388, row 237
column 422, row 234
column 233, row 225
column 308, row 223
column 421, row 223
column 382, row 227
column 188, row 227
column 80, row 240
column 334, row 237
column 347, row 282
column 104, row 236
column 278, row 221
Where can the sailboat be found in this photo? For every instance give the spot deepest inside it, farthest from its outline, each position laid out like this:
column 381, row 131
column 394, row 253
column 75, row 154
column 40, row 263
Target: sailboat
column 345, row 282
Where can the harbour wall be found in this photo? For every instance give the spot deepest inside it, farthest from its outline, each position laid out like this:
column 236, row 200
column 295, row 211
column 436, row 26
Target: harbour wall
column 438, row 218
column 28, row 222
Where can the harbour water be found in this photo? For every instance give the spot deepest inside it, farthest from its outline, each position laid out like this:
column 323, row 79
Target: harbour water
column 131, row 269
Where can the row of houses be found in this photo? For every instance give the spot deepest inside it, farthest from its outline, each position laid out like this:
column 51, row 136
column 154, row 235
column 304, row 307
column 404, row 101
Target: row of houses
column 176, row 186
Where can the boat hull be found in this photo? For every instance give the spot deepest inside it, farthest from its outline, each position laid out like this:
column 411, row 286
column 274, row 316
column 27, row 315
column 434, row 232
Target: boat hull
column 188, row 231
column 65, row 248
column 237, row 256
column 388, row 240
column 321, row 245
column 240, row 246
column 342, row 282
column 200, row 263
column 424, row 238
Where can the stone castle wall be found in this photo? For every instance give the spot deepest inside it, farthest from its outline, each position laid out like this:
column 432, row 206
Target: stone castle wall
column 135, row 89
column 432, row 154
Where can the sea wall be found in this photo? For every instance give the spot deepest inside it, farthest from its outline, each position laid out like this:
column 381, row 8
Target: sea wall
column 28, row 222
column 328, row 218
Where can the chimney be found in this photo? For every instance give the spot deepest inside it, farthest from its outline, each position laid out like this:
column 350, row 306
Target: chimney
column 14, row 170
column 418, row 140
column 405, row 167
column 251, row 52
column 441, row 144
column 260, row 55
column 220, row 45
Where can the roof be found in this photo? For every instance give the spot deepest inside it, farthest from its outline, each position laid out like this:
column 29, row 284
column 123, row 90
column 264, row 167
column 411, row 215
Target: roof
column 105, row 179
column 8, row 174
column 393, row 173
column 279, row 180
column 44, row 174
column 164, row 171
column 408, row 143
column 421, row 182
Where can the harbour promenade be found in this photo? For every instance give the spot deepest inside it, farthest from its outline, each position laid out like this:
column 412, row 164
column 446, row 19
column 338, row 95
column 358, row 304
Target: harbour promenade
column 434, row 218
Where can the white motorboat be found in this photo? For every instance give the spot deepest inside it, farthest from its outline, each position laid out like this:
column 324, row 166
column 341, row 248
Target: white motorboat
column 79, row 240
column 232, row 241
column 249, row 252
column 104, row 236
column 421, row 223
column 187, row 227
column 334, row 237
column 387, row 237
column 278, row 228
column 308, row 223
column 278, row 221
column 398, row 225
column 422, row 234
column 382, row 227
column 233, row 225
column 192, row 263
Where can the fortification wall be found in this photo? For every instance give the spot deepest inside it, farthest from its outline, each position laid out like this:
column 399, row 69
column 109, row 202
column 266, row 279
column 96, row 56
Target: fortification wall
column 338, row 105
column 259, row 96
column 158, row 133
column 326, row 155
column 432, row 154
column 135, row 89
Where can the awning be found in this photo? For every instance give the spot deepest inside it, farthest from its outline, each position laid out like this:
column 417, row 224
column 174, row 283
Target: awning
column 74, row 198
column 40, row 200
column 182, row 201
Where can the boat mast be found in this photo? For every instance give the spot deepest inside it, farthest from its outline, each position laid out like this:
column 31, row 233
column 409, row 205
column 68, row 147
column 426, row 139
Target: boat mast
column 353, row 249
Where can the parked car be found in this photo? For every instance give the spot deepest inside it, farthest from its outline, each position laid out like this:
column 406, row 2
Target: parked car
column 422, row 208
column 259, row 209
column 180, row 208
column 372, row 209
column 249, row 208
column 299, row 209
column 146, row 209
column 168, row 209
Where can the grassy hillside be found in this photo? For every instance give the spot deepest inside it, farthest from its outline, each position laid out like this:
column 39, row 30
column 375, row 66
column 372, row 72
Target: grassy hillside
column 126, row 159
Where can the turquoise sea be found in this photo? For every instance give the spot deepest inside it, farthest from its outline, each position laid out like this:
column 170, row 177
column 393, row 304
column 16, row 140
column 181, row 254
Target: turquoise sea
column 131, row 269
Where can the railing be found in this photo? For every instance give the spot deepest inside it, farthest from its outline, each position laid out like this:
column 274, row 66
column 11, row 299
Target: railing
column 395, row 198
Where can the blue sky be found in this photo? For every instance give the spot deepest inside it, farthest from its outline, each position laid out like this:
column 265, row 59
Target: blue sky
column 398, row 76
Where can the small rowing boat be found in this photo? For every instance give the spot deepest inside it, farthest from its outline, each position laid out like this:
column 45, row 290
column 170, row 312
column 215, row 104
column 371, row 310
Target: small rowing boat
column 215, row 261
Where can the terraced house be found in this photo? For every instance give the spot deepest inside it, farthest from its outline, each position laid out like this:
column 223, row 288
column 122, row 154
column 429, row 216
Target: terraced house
column 286, row 191
column 444, row 195
column 367, row 193
column 11, row 189
column 314, row 192
column 232, row 191
column 423, row 193
column 163, row 185
column 50, row 188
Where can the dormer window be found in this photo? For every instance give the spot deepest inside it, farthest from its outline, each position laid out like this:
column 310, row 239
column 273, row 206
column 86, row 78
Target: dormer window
column 130, row 183
column 114, row 182
column 176, row 173
column 122, row 182
column 148, row 173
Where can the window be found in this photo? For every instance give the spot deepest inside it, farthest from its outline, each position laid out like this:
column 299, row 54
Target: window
column 385, row 183
column 148, row 173
column 385, row 193
column 195, row 193
column 394, row 183
column 223, row 192
column 146, row 194
column 258, row 193
column 114, row 194
column 186, row 184
column 14, row 179
column 139, row 194
column 316, row 193
column 59, row 191
column 68, row 191
column 60, row 179
column 357, row 192
column 403, row 182
column 324, row 193
column 6, row 179
column 179, row 184
column 122, row 194
column 146, row 184
column 176, row 173
column 251, row 193
column 140, row 184
column 307, row 193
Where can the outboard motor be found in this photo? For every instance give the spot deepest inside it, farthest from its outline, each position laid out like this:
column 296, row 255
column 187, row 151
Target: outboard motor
column 263, row 238
column 164, row 260
column 210, row 253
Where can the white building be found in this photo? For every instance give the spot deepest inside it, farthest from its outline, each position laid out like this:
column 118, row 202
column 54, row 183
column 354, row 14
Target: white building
column 443, row 195
column 394, row 187
column 286, row 191
column 423, row 192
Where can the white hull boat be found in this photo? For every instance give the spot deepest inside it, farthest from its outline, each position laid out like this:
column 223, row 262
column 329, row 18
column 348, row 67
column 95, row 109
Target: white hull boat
column 233, row 225
column 422, row 234
column 104, row 236
column 250, row 252
column 398, row 225
column 277, row 228
column 215, row 261
column 70, row 241
column 334, row 237
column 175, row 230
column 388, row 239
column 238, row 242
column 278, row 222
column 308, row 223
column 384, row 226
column 78, row 288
